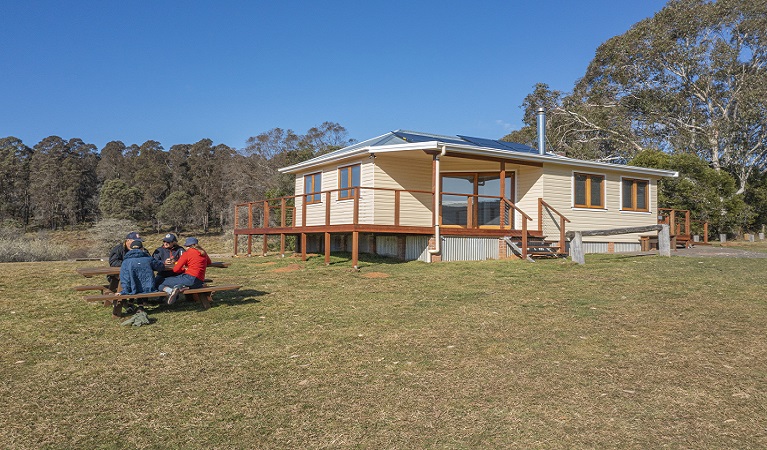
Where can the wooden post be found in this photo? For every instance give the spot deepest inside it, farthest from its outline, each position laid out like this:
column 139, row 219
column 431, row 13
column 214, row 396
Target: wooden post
column 250, row 215
column 687, row 222
column 250, row 244
column 664, row 241
column 266, row 214
column 540, row 214
column 327, row 248
column 356, row 206
column 303, row 246
column 283, row 213
column 303, row 210
column 576, row 248
column 282, row 244
column 524, row 237
column 561, row 235
column 264, row 246
column 355, row 249
column 705, row 232
column 327, row 208
column 235, row 227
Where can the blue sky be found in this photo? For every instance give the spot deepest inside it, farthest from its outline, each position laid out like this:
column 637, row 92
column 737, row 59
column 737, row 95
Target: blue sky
column 178, row 72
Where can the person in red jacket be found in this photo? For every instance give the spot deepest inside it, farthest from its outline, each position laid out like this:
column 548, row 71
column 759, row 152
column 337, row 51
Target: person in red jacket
column 191, row 269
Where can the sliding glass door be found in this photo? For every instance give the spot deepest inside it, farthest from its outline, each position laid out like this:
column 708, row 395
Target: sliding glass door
column 473, row 200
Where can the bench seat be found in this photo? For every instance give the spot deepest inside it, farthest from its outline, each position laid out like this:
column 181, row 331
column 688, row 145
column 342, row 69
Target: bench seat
column 204, row 295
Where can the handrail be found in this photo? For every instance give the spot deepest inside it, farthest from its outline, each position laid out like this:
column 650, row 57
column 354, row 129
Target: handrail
column 510, row 203
column 544, row 203
column 562, row 220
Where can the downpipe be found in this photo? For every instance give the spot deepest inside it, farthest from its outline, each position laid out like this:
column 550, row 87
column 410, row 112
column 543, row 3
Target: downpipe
column 437, row 238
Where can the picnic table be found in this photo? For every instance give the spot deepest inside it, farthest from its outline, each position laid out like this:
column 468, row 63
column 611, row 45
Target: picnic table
column 203, row 295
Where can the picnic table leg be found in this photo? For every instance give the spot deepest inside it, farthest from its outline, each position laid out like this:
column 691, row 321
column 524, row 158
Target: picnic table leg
column 204, row 299
column 117, row 308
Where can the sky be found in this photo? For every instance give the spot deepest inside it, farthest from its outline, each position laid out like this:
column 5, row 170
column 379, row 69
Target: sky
column 180, row 71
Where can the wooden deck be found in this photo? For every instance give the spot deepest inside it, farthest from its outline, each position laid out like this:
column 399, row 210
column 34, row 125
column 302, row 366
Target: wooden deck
column 277, row 217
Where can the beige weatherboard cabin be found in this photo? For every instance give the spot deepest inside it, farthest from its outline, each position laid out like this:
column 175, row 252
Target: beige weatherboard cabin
column 419, row 196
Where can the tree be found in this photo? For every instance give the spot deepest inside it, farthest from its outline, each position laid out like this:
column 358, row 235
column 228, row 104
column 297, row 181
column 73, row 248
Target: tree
column 176, row 210
column 691, row 79
column 117, row 200
column 112, row 163
column 14, row 181
column 63, row 182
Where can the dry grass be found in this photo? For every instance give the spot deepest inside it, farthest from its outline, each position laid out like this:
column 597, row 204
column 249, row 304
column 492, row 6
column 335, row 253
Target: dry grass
column 636, row 352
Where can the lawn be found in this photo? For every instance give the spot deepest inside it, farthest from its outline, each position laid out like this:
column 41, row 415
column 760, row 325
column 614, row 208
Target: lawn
column 629, row 352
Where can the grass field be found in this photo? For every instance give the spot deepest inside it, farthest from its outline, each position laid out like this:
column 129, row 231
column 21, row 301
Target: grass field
column 627, row 352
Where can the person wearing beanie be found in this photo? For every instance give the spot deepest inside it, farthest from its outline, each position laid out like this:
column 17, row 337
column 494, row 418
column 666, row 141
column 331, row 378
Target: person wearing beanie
column 137, row 270
column 190, row 269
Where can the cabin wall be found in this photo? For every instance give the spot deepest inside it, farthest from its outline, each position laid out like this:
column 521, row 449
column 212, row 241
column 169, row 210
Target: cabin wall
column 411, row 171
column 341, row 211
column 558, row 192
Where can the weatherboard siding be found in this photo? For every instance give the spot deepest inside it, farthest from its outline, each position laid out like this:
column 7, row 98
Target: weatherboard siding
column 557, row 191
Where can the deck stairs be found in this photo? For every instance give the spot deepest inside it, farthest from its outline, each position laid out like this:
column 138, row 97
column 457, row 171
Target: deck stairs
column 536, row 248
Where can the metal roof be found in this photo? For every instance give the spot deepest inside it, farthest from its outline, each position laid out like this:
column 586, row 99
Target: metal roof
column 402, row 140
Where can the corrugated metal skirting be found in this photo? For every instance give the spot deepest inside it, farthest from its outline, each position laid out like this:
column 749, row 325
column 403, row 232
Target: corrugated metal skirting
column 469, row 248
column 417, row 247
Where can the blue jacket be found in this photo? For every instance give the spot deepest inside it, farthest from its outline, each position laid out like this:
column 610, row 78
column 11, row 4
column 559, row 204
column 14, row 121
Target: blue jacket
column 137, row 272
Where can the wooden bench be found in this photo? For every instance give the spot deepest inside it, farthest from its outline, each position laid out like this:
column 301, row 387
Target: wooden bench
column 203, row 295
column 118, row 301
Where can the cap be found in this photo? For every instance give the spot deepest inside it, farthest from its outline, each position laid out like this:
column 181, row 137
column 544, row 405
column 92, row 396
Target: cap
column 169, row 238
column 190, row 241
column 132, row 235
column 137, row 243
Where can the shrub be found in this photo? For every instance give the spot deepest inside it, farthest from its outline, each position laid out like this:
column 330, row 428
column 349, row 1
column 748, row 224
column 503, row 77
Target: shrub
column 20, row 249
column 107, row 233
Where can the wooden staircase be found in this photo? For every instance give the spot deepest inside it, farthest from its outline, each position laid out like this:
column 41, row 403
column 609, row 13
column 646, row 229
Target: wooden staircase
column 537, row 247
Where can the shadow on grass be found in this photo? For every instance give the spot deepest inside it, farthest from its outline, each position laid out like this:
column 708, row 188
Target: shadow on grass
column 230, row 298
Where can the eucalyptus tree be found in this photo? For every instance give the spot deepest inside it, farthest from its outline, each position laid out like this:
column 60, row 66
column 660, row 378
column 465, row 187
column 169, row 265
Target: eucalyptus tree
column 14, row 181
column 693, row 78
column 63, row 182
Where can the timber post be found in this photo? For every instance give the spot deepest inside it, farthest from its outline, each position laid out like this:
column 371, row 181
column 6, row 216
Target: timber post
column 664, row 241
column 576, row 248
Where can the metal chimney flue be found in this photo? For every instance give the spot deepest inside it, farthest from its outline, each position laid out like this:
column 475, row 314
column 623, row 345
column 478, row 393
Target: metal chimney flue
column 541, row 121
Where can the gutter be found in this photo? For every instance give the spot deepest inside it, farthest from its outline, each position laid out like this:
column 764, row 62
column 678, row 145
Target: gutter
column 437, row 238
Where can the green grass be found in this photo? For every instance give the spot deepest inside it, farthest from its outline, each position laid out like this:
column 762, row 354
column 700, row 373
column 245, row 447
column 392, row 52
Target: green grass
column 637, row 352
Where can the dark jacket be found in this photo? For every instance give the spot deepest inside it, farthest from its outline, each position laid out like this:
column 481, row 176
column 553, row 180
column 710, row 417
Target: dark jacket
column 117, row 255
column 162, row 253
column 137, row 272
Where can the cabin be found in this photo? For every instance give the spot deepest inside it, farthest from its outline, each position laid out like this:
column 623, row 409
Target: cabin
column 428, row 197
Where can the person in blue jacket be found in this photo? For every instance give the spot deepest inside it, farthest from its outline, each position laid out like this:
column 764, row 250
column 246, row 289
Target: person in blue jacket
column 137, row 270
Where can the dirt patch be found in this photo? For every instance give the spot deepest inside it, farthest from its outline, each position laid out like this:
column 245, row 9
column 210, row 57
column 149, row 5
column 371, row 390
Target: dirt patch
column 288, row 268
column 375, row 275
column 269, row 263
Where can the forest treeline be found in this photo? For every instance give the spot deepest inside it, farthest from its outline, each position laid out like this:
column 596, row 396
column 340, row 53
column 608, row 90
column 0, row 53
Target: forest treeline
column 59, row 183
column 684, row 90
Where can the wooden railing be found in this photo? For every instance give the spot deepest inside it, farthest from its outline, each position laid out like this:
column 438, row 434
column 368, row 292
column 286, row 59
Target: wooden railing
column 562, row 220
column 525, row 218
column 260, row 213
column 679, row 222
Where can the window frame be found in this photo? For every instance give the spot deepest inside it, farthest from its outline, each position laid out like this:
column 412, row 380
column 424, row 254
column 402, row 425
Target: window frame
column 315, row 196
column 347, row 192
column 587, row 193
column 633, row 206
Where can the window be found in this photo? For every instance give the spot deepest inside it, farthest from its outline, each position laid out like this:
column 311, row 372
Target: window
column 348, row 177
column 589, row 190
column 313, row 186
column 635, row 196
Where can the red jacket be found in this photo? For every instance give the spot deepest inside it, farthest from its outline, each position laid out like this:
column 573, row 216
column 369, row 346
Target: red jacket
column 192, row 263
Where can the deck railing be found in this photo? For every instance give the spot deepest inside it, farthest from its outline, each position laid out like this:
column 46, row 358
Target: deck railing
column 546, row 210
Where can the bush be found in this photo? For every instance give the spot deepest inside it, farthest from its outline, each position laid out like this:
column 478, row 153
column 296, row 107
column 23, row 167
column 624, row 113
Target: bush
column 20, row 249
column 107, row 233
